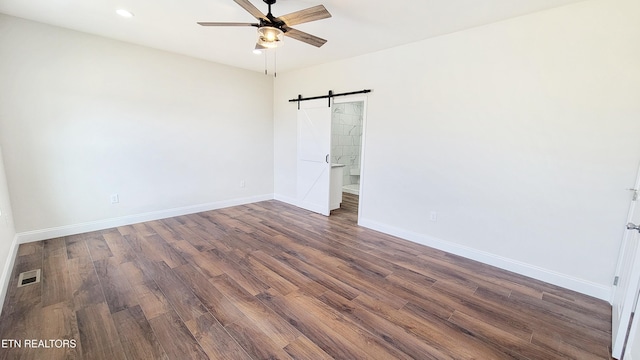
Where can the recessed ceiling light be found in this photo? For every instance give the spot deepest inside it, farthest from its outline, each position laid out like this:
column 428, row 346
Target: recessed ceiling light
column 124, row 13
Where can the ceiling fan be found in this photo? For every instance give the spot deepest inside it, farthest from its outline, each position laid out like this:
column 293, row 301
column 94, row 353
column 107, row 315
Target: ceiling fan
column 271, row 29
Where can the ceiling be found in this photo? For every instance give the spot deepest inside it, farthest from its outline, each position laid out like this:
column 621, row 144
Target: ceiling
column 356, row 26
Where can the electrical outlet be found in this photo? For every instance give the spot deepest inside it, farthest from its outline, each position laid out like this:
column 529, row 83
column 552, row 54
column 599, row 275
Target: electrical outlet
column 433, row 216
column 114, row 198
column 242, row 183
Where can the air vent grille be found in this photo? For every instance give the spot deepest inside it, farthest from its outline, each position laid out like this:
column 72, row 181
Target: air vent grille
column 29, row 277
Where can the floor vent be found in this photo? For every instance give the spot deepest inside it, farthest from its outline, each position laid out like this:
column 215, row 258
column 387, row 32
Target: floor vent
column 29, row 277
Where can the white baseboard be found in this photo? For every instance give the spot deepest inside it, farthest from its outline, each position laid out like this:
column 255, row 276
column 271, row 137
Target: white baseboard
column 5, row 277
column 538, row 273
column 66, row 230
column 286, row 199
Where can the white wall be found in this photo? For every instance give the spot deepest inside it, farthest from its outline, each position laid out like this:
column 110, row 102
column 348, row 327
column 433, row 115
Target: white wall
column 346, row 138
column 7, row 233
column 522, row 135
column 84, row 117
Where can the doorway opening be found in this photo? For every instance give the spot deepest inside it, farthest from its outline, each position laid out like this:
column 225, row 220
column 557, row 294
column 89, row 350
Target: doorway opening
column 347, row 144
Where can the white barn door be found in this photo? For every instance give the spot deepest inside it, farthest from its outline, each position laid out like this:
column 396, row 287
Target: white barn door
column 314, row 160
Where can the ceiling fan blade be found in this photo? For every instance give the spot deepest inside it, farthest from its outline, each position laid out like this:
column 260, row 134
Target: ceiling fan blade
column 260, row 47
column 304, row 37
column 307, row 15
column 206, row 23
column 251, row 9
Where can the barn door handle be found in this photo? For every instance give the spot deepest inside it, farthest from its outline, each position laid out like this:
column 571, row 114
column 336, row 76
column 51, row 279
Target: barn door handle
column 326, row 158
column 632, row 226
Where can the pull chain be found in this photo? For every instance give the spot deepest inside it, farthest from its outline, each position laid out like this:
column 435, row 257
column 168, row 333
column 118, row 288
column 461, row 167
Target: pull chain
column 275, row 62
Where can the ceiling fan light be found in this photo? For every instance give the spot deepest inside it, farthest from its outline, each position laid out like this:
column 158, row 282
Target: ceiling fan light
column 270, row 37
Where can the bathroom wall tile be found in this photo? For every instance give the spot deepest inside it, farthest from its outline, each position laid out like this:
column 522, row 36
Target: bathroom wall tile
column 346, row 138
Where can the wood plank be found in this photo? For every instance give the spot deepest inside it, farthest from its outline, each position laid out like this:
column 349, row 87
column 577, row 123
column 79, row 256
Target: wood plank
column 98, row 334
column 292, row 275
column 240, row 275
column 255, row 342
column 504, row 340
column 135, row 274
column 262, row 273
column 489, row 310
column 197, row 259
column 180, row 296
column 142, row 248
column 56, row 286
column 584, row 305
column 76, row 247
column 117, row 290
column 166, row 253
column 547, row 320
column 563, row 346
column 151, row 299
column 329, row 335
column 118, row 246
column 393, row 334
column 136, row 336
column 447, row 334
column 418, row 293
column 32, row 248
column 197, row 241
column 215, row 340
column 303, row 348
column 263, row 318
column 143, row 229
column 317, row 275
column 166, row 232
column 362, row 282
column 578, row 317
column 62, row 325
column 29, row 325
column 98, row 247
column 218, row 305
column 22, row 299
column 170, row 329
column 84, row 283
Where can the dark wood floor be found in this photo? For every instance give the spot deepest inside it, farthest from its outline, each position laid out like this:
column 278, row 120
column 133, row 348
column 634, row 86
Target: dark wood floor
column 271, row 281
